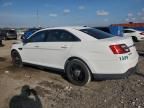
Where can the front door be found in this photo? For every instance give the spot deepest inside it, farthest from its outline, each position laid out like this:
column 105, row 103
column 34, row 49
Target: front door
column 31, row 52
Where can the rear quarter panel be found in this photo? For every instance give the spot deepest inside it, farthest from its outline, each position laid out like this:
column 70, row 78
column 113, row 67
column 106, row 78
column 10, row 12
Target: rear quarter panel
column 100, row 59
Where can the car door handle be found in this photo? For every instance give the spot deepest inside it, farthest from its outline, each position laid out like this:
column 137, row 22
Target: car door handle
column 36, row 46
column 64, row 46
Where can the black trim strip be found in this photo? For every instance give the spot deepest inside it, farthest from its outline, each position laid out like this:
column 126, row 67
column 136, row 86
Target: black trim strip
column 115, row 76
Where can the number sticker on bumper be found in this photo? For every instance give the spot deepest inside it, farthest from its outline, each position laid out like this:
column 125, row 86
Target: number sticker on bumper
column 124, row 58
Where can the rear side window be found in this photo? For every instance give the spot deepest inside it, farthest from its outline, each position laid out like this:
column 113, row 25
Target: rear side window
column 98, row 34
column 60, row 36
column 128, row 31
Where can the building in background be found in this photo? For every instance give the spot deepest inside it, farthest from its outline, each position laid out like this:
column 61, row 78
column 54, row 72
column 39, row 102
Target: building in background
column 137, row 26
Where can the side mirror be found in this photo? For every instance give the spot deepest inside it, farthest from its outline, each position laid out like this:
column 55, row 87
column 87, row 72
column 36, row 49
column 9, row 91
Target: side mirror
column 25, row 41
column 22, row 37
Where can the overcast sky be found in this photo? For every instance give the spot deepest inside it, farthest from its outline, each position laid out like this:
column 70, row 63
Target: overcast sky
column 31, row 13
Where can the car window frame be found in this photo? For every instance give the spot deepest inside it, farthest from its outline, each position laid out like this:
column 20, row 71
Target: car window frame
column 78, row 39
column 92, row 34
column 29, row 39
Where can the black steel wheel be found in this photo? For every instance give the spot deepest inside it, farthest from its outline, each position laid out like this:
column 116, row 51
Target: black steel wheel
column 134, row 39
column 78, row 72
column 16, row 59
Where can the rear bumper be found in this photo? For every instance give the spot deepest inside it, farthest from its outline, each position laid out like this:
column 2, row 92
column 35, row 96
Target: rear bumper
column 115, row 76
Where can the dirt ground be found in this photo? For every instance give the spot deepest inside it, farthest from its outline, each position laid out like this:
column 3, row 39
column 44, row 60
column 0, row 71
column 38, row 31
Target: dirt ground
column 54, row 91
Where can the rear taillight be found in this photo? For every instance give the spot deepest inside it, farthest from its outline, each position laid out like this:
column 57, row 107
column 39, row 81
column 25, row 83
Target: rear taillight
column 142, row 33
column 119, row 48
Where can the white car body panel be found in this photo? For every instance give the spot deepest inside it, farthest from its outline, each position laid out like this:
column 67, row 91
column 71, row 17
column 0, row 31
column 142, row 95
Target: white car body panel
column 95, row 53
column 46, row 54
column 135, row 33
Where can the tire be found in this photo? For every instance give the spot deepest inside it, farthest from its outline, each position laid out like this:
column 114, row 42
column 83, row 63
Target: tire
column 134, row 39
column 0, row 42
column 77, row 72
column 5, row 38
column 16, row 59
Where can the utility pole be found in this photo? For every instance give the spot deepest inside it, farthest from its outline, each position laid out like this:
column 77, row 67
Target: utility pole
column 37, row 18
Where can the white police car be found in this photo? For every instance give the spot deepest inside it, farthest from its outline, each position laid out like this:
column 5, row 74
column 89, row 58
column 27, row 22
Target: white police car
column 82, row 52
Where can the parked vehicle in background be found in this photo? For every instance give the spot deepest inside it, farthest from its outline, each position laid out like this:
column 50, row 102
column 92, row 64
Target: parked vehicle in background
column 20, row 32
column 114, row 30
column 1, row 37
column 9, row 34
column 28, row 32
column 82, row 52
column 135, row 34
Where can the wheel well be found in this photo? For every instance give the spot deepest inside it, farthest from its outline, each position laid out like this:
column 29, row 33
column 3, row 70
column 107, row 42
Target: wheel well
column 134, row 36
column 135, row 39
column 15, row 51
column 72, row 58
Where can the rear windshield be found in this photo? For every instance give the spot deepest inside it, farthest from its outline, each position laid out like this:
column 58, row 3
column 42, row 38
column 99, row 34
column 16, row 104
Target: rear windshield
column 98, row 34
column 105, row 29
column 12, row 32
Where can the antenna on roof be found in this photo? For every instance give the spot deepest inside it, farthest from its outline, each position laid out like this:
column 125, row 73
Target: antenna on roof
column 85, row 26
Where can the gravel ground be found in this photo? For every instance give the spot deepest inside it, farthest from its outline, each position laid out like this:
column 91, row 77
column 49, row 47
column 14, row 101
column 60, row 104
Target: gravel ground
column 54, row 91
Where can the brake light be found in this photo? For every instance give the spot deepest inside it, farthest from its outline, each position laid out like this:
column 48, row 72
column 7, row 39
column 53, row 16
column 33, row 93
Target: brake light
column 142, row 33
column 119, row 49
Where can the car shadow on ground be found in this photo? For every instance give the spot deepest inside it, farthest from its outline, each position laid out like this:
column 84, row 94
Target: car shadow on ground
column 141, row 53
column 2, row 45
column 58, row 72
column 2, row 59
column 28, row 98
column 49, row 70
column 139, row 74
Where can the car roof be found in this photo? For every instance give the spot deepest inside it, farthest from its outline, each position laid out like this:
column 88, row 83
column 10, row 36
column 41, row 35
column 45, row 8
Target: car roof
column 72, row 29
column 67, row 28
column 130, row 29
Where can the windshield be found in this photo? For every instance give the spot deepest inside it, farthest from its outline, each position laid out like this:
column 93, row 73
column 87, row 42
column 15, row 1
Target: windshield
column 98, row 34
column 29, row 32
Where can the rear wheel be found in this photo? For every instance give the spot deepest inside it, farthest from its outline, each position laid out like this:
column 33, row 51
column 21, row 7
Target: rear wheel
column 16, row 59
column 134, row 39
column 78, row 72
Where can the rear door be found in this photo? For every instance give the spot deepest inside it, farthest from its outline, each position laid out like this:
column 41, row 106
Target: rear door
column 56, row 47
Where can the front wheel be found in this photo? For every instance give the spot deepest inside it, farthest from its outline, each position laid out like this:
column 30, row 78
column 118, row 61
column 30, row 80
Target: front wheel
column 77, row 72
column 5, row 38
column 16, row 59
